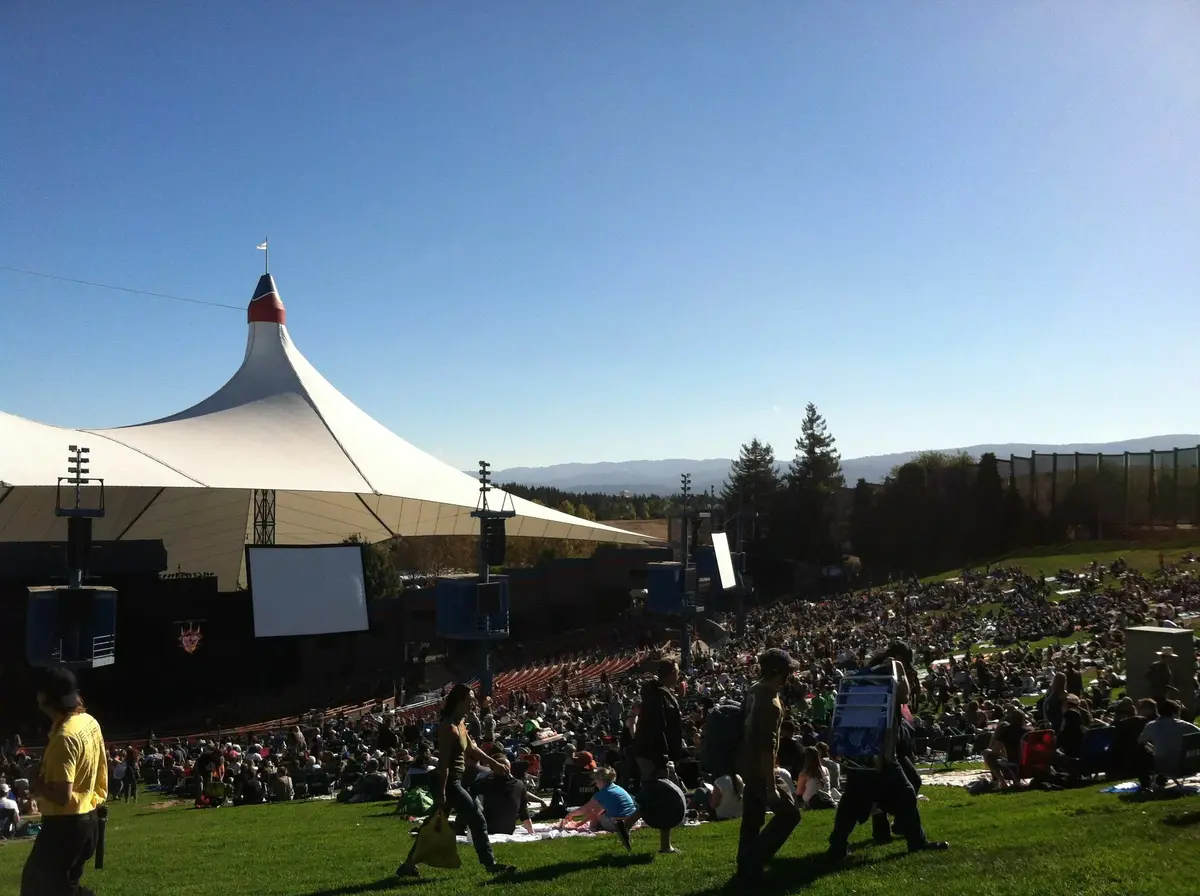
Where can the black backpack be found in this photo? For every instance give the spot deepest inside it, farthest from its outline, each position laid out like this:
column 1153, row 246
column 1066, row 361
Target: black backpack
column 724, row 731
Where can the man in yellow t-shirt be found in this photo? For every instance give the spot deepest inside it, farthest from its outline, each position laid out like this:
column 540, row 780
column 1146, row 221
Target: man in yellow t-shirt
column 70, row 785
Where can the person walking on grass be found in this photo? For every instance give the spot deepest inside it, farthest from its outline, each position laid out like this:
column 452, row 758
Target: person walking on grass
column 454, row 748
column 887, row 789
column 658, row 738
column 756, row 763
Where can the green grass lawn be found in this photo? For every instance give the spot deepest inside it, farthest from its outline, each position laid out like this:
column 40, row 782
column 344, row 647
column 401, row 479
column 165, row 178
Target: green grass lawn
column 1080, row 843
column 1050, row 559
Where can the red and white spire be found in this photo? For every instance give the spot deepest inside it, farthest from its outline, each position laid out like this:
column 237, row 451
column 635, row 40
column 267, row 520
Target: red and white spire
column 266, row 307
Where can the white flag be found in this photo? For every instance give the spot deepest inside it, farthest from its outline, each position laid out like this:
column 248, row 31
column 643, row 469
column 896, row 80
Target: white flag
column 262, row 246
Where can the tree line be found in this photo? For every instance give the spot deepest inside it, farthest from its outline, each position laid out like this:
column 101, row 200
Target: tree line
column 599, row 506
column 939, row 511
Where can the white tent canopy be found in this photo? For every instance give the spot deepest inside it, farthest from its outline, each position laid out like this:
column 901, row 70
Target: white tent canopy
column 276, row 425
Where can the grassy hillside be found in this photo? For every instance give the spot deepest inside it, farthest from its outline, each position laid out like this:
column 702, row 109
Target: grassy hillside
column 1074, row 843
column 1049, row 560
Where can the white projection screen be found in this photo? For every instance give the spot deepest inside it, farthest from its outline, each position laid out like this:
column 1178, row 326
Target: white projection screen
column 310, row 590
column 724, row 561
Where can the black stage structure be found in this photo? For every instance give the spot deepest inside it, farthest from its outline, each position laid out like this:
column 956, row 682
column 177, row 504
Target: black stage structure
column 184, row 643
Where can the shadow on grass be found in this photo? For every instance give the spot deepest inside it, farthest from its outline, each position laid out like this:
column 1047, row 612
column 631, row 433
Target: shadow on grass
column 1182, row 820
column 787, row 875
column 1165, row 795
column 543, row 873
column 561, row 869
column 388, row 884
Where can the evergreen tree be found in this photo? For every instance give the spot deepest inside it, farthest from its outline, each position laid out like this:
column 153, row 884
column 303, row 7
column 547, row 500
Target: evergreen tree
column 814, row 479
column 753, row 478
column 817, row 465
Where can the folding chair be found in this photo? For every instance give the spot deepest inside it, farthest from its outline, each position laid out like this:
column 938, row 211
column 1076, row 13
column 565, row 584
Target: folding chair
column 550, row 775
column 8, row 823
column 580, row 789
column 1096, row 752
column 1037, row 752
column 958, row 749
column 1189, row 760
column 862, row 733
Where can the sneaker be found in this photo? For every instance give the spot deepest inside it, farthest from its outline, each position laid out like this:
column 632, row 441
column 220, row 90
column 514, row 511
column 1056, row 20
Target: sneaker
column 502, row 870
column 623, row 833
column 932, row 845
column 408, row 871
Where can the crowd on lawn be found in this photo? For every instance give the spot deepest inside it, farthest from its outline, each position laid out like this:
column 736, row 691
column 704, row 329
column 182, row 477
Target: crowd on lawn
column 998, row 660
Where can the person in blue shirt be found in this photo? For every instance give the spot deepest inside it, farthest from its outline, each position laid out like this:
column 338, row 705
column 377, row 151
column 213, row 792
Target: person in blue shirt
column 608, row 808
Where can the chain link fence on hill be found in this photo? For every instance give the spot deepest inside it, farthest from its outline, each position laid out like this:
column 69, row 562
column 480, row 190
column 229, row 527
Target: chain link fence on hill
column 1097, row 495
column 1111, row 493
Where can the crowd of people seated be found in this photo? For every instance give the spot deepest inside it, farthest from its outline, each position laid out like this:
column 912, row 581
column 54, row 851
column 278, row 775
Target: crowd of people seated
column 1025, row 671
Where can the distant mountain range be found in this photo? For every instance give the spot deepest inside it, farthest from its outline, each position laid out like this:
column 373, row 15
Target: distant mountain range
column 662, row 476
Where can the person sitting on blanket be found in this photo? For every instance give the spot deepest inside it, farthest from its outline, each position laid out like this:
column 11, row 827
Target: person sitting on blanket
column 504, row 799
column 607, row 809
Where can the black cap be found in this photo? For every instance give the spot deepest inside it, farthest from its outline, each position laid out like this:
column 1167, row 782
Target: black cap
column 776, row 661
column 60, row 688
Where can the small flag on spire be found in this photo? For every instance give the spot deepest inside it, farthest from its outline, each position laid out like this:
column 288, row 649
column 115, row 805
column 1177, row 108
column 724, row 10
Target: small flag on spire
column 262, row 247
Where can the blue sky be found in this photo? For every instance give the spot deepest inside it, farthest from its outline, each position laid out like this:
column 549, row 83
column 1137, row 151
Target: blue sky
column 543, row 232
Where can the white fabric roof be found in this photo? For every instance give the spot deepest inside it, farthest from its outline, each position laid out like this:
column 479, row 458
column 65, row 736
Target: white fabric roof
column 276, row 424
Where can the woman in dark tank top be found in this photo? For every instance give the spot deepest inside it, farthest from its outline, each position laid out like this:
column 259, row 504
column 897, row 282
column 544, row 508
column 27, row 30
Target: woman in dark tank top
column 454, row 746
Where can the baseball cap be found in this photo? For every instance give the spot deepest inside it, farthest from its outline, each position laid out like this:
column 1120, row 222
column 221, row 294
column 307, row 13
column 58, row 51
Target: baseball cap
column 59, row 686
column 585, row 760
column 775, row 661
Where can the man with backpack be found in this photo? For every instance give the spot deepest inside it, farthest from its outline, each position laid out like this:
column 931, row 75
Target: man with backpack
column 756, row 762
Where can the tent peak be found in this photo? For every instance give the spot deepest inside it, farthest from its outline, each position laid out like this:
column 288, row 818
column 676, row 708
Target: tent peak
column 266, row 306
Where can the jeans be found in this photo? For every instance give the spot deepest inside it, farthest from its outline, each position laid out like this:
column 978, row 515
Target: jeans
column 55, row 863
column 756, row 844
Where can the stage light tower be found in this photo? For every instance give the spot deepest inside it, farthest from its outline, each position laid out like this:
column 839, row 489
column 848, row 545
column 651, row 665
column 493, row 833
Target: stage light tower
column 79, row 518
column 491, row 533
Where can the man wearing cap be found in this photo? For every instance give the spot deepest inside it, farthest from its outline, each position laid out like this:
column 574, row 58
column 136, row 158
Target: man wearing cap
column 1159, row 677
column 70, row 786
column 756, row 763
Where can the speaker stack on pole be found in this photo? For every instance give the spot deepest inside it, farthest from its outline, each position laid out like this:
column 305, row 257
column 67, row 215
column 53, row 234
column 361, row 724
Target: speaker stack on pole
column 475, row 608
column 74, row 625
column 676, row 589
